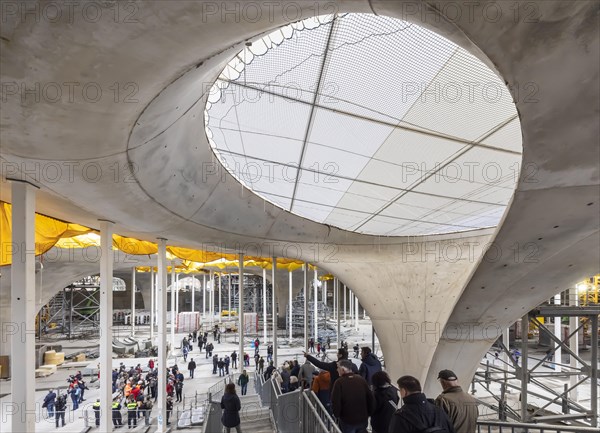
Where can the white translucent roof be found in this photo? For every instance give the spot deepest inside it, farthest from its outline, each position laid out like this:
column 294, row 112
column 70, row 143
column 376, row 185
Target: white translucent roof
column 369, row 124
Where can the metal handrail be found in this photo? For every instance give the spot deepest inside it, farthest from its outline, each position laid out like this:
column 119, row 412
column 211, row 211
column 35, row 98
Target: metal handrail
column 499, row 426
column 318, row 412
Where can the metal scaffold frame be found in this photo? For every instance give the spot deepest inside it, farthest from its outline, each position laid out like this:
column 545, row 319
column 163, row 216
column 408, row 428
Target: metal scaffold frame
column 581, row 375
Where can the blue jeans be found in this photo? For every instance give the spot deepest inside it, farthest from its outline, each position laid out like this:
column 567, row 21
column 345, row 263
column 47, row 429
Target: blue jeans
column 50, row 409
column 353, row 428
column 244, row 388
column 75, row 400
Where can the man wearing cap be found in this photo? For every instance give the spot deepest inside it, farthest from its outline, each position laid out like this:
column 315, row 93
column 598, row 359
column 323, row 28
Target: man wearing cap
column 460, row 407
column 352, row 401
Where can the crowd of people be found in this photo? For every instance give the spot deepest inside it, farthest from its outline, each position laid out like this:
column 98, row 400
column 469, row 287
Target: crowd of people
column 355, row 395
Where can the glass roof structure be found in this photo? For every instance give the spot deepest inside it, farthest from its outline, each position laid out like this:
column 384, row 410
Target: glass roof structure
column 370, row 124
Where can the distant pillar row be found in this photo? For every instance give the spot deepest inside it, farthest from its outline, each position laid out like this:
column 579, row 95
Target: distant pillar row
column 106, row 322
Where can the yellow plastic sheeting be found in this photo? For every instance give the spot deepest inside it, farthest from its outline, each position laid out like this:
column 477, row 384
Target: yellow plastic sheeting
column 134, row 246
column 47, row 232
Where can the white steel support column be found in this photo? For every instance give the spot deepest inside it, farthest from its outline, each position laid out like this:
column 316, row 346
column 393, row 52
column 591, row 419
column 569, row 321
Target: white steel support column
column 264, row 302
column 212, row 299
column 573, row 343
column 290, row 324
column 345, row 308
column 506, row 342
column 194, row 294
column 204, row 296
column 133, row 301
column 558, row 334
column 315, row 309
column 274, row 309
column 336, row 285
column 106, row 323
column 356, row 315
column 152, row 287
column 229, row 306
column 22, row 304
column 177, row 295
column 241, row 310
column 161, row 298
column 172, row 308
column 335, row 296
column 305, row 269
column 219, row 294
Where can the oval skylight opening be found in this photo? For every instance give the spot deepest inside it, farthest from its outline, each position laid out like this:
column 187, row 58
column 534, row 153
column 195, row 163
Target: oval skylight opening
column 370, row 124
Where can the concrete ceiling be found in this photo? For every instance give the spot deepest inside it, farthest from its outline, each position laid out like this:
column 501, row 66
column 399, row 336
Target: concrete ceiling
column 139, row 156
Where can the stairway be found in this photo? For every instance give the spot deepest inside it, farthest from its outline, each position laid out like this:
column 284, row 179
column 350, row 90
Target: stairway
column 255, row 417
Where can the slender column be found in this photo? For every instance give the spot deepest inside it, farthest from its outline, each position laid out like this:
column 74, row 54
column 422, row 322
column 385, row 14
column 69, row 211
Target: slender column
column 506, row 342
column 558, row 334
column 334, row 306
column 22, row 304
column 204, row 296
column 524, row 366
column 305, row 268
column 241, row 310
column 345, row 308
column 193, row 294
column 264, row 304
column 133, row 301
column 211, row 297
column 219, row 294
column 106, row 323
column 161, row 293
column 173, row 319
column 573, row 343
column 290, row 323
column 594, row 375
column 315, row 308
column 152, row 304
column 229, row 315
column 337, row 299
column 274, row 309
column 356, row 315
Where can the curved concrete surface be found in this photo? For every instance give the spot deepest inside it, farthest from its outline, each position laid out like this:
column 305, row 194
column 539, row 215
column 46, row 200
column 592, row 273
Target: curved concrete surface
column 547, row 54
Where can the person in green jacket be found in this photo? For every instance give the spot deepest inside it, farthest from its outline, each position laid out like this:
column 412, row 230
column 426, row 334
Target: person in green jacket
column 243, row 382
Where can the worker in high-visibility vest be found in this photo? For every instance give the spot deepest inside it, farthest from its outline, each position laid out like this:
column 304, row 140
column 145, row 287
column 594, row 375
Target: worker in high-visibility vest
column 132, row 406
column 116, row 413
column 96, row 407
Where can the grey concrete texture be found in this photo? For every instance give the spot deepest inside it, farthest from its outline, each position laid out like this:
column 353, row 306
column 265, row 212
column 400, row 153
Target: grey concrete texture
column 173, row 51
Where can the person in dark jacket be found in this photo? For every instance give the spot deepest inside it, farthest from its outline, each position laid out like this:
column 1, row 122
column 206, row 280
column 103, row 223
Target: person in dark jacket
column 384, row 393
column 59, row 409
column 370, row 364
column 231, row 405
column 331, row 367
column 269, row 371
column 285, row 380
column 351, row 399
column 243, row 382
column 191, row 367
column 49, row 403
column 417, row 414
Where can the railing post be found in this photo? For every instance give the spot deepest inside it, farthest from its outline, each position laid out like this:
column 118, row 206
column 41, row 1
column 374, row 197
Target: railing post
column 565, row 400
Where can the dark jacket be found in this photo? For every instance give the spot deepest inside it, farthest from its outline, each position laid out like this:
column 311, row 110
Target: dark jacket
column 192, row 365
column 351, row 399
column 49, row 399
column 370, row 365
column 417, row 410
column 331, row 367
column 231, row 405
column 269, row 372
column 460, row 407
column 243, row 379
column 380, row 419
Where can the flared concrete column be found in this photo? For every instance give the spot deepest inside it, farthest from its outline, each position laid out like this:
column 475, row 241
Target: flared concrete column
column 21, row 330
column 106, row 323
column 161, row 297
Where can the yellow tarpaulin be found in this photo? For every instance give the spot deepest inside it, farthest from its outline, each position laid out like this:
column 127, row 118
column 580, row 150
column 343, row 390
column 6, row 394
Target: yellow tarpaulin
column 47, row 232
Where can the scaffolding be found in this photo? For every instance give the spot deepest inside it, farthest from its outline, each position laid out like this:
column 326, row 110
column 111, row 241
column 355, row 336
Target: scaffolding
column 253, row 293
column 546, row 386
column 297, row 320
